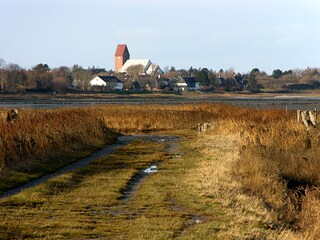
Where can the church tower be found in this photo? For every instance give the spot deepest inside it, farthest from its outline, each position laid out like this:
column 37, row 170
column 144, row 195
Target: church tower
column 121, row 56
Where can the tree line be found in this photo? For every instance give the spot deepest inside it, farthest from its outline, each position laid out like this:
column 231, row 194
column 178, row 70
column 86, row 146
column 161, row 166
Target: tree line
column 14, row 78
column 41, row 77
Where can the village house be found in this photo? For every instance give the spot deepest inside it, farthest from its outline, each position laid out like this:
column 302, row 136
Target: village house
column 106, row 83
column 192, row 82
column 178, row 84
column 237, row 82
column 182, row 84
column 154, row 69
column 146, row 84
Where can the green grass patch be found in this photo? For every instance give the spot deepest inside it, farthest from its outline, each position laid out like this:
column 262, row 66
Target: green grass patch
column 85, row 204
column 78, row 204
column 16, row 177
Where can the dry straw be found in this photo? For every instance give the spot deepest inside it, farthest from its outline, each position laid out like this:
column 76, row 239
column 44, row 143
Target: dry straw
column 278, row 161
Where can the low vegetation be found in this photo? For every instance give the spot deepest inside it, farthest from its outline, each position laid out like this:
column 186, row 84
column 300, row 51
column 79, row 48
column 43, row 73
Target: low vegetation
column 81, row 203
column 278, row 163
column 41, row 141
column 254, row 175
column 157, row 117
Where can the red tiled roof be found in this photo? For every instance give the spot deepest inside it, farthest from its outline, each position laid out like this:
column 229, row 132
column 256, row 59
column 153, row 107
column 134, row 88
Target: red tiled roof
column 121, row 49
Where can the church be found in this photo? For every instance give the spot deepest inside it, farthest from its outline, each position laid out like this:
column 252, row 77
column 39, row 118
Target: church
column 123, row 62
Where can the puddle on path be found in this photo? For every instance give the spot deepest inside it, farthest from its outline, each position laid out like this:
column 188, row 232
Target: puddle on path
column 138, row 179
column 122, row 141
column 189, row 218
column 132, row 186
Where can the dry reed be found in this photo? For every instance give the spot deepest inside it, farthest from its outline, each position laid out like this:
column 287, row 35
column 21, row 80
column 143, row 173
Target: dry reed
column 278, row 161
column 38, row 135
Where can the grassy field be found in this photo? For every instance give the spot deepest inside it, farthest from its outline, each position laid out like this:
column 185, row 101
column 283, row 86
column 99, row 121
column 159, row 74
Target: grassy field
column 175, row 202
column 42, row 141
column 85, row 203
column 253, row 176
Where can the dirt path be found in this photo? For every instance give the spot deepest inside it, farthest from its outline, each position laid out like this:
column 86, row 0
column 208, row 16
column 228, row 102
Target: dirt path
column 172, row 148
column 122, row 141
column 214, row 179
column 193, row 196
column 125, row 207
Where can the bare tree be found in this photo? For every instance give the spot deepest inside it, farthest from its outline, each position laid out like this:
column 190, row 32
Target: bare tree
column 60, row 84
column 80, row 77
column 40, row 77
column 2, row 63
column 2, row 73
column 135, row 71
column 310, row 75
column 16, row 77
column 61, row 79
column 229, row 73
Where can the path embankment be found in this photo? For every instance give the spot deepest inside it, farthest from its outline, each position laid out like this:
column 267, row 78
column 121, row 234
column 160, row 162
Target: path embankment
column 122, row 141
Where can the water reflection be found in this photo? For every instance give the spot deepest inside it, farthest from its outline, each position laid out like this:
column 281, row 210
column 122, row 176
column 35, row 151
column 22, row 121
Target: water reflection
column 277, row 102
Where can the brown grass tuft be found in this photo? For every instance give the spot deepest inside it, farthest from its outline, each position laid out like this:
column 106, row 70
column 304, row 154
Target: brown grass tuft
column 278, row 163
column 38, row 135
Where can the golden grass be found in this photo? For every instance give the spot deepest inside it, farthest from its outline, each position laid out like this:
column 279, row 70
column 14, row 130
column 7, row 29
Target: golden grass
column 40, row 140
column 128, row 118
column 278, row 163
column 39, row 134
column 260, row 165
column 213, row 180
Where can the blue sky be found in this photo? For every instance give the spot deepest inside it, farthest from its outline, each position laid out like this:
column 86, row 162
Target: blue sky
column 239, row 34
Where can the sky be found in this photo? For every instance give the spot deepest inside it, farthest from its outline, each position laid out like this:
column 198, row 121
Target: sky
column 224, row 34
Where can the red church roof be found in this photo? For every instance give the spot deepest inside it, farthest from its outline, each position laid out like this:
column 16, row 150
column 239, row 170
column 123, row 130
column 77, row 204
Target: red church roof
column 121, row 49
